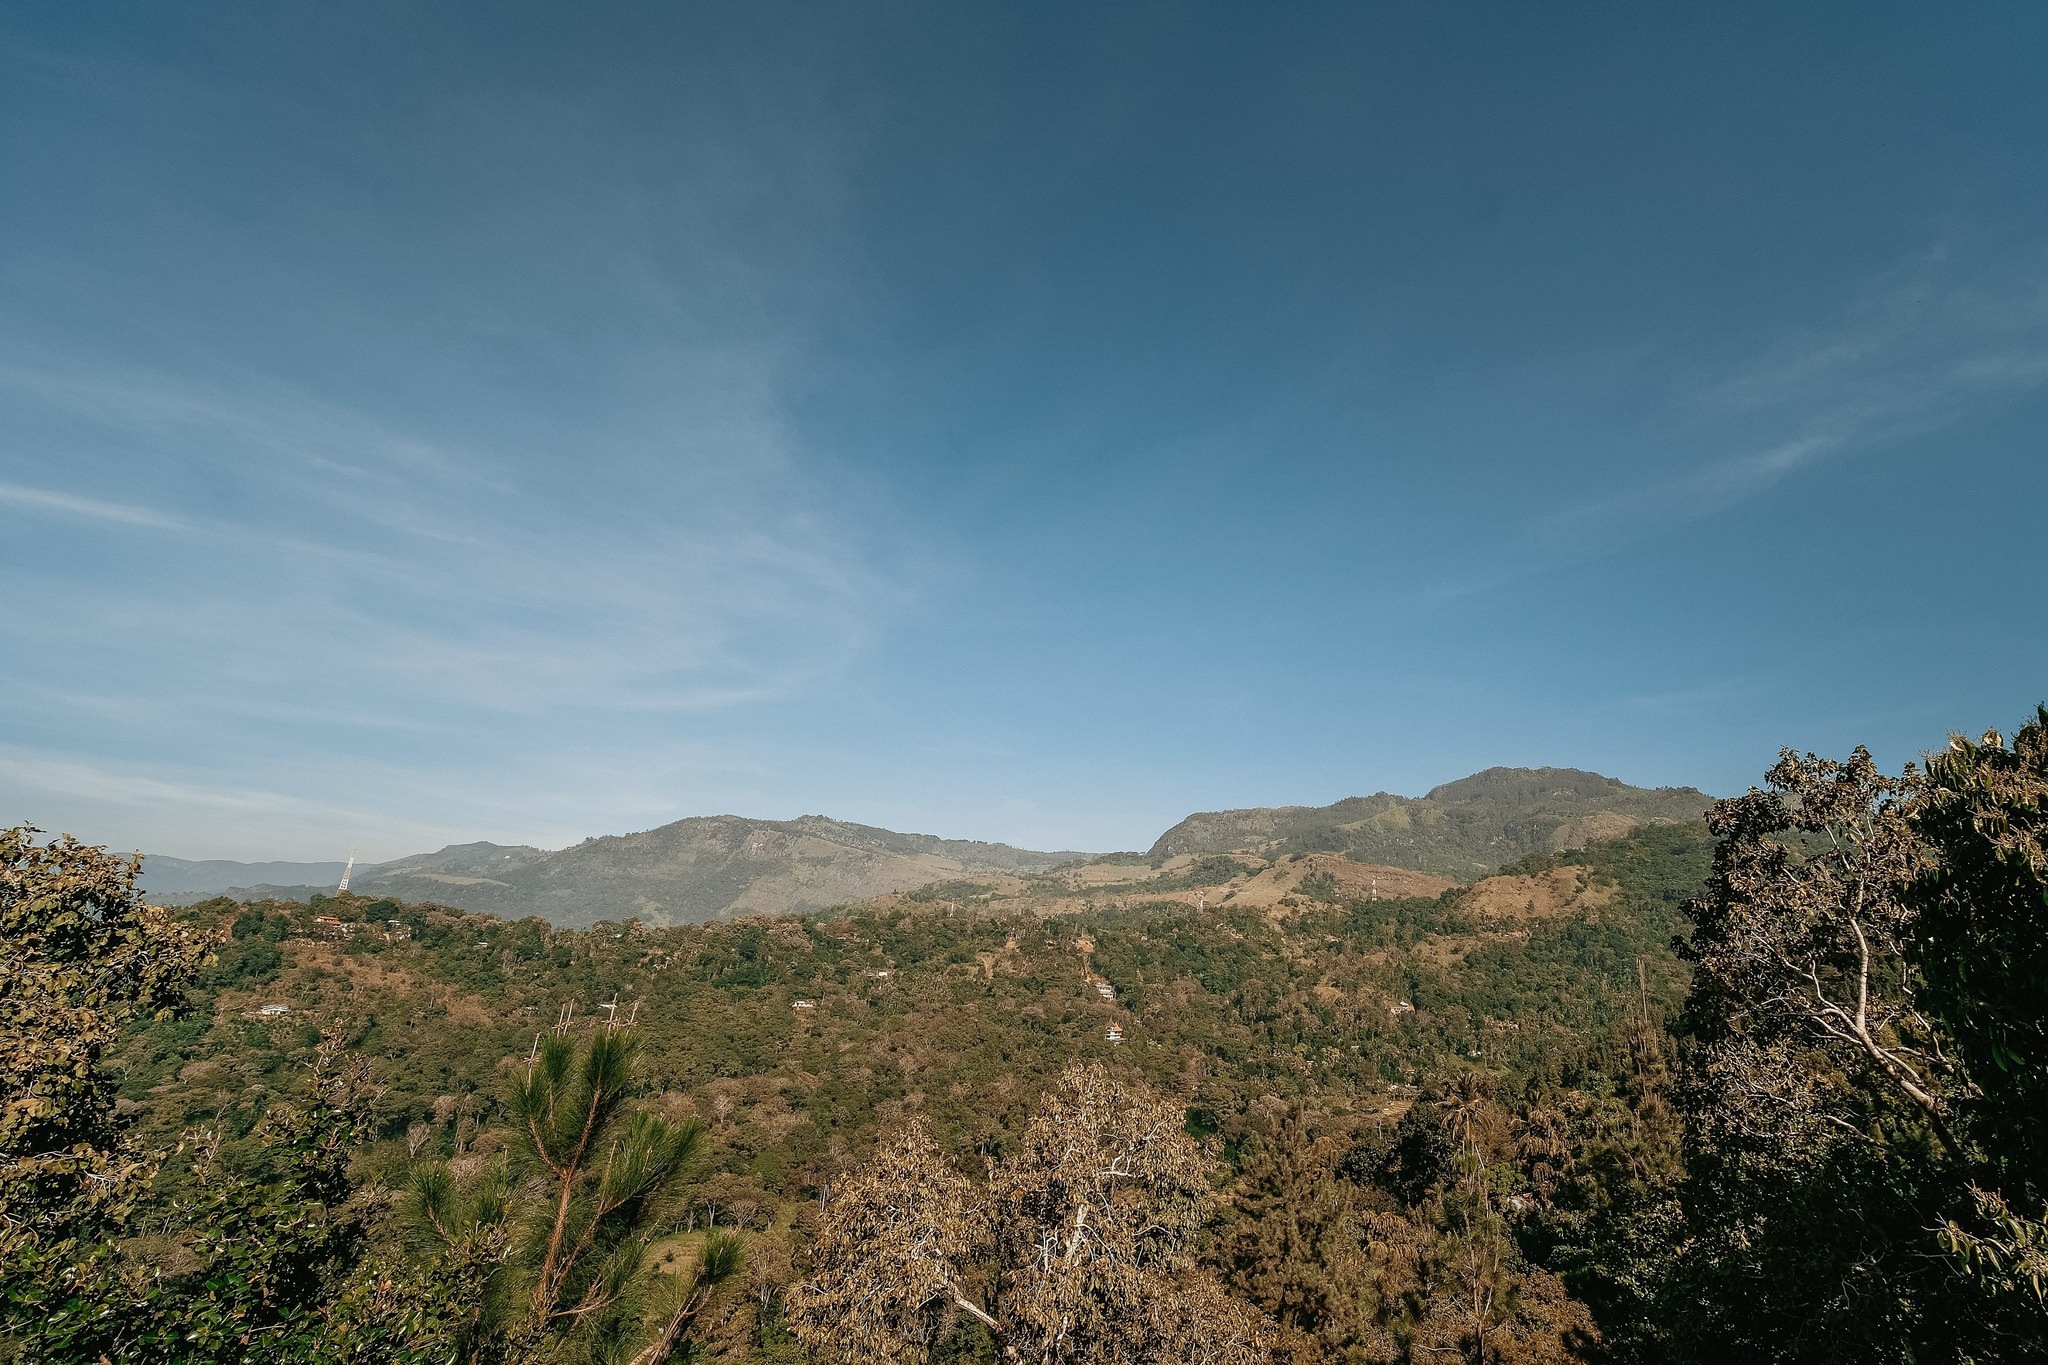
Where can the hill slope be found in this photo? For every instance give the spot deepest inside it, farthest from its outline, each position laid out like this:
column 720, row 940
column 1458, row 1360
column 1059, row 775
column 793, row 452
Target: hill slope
column 1463, row 829
column 706, row 868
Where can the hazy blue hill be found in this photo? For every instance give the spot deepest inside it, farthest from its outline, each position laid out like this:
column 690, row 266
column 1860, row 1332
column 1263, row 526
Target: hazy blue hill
column 705, row 868
column 464, row 860
column 1462, row 829
column 165, row 876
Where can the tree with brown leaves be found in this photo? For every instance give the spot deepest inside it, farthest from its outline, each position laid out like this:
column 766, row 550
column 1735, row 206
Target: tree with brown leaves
column 1396, row 1251
column 1078, row 1247
column 1805, row 991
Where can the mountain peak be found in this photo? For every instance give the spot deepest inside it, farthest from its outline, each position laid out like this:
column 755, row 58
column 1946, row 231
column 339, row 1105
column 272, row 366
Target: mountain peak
column 1517, row 786
column 1462, row 829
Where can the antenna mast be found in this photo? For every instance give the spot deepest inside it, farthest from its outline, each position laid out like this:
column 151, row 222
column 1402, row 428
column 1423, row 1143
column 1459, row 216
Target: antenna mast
column 342, row 890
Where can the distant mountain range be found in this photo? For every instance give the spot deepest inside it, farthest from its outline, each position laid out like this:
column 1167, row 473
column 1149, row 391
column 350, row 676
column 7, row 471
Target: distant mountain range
column 715, row 867
column 166, row 876
column 711, row 867
column 1463, row 830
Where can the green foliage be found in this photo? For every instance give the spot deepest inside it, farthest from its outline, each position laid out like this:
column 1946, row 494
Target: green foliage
column 1464, row 829
column 1400, row 1242
column 243, row 962
column 948, row 891
column 1214, row 870
column 1450, row 1127
column 1982, row 906
column 2006, row 1254
column 553, row 1246
column 1667, row 862
column 1865, row 1041
column 267, row 1251
column 83, row 958
column 242, row 1251
column 1319, row 886
column 959, row 1009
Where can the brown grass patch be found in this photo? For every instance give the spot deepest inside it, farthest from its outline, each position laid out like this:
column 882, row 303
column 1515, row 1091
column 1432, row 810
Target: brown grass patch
column 1554, row 894
column 376, row 975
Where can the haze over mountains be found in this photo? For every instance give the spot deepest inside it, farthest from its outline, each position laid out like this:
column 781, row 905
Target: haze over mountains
column 704, row 868
column 163, row 875
column 716, row 867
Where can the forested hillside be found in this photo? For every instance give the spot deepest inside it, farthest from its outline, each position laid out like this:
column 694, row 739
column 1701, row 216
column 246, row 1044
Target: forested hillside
column 1763, row 1086
column 959, row 999
column 1259, row 996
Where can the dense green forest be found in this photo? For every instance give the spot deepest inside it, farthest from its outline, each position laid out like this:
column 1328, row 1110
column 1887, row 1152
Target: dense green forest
column 1767, row 1084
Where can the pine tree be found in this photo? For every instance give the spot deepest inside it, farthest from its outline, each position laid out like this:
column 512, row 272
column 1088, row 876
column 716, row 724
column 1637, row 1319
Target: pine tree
column 556, row 1245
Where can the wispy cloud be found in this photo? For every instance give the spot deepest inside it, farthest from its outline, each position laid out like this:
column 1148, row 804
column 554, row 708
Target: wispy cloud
column 1714, row 692
column 50, row 502
column 690, row 567
column 1920, row 348
column 1926, row 345
column 401, row 643
column 74, row 777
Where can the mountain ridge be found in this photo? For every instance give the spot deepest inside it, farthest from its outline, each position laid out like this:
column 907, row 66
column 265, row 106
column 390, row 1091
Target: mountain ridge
column 692, row 870
column 165, row 875
column 1462, row 829
column 712, row 867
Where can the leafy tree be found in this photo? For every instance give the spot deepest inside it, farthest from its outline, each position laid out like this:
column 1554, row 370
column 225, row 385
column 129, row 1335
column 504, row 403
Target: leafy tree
column 1078, row 1248
column 253, row 1256
column 84, row 956
column 1982, row 935
column 1476, row 1298
column 1400, row 1245
column 1982, row 939
column 1804, row 979
column 1859, row 1032
column 1603, row 1164
column 1295, row 1244
column 267, row 1253
column 1319, row 886
column 894, row 1257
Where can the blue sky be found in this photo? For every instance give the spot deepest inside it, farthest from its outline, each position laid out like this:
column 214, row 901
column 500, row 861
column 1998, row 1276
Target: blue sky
column 424, row 423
